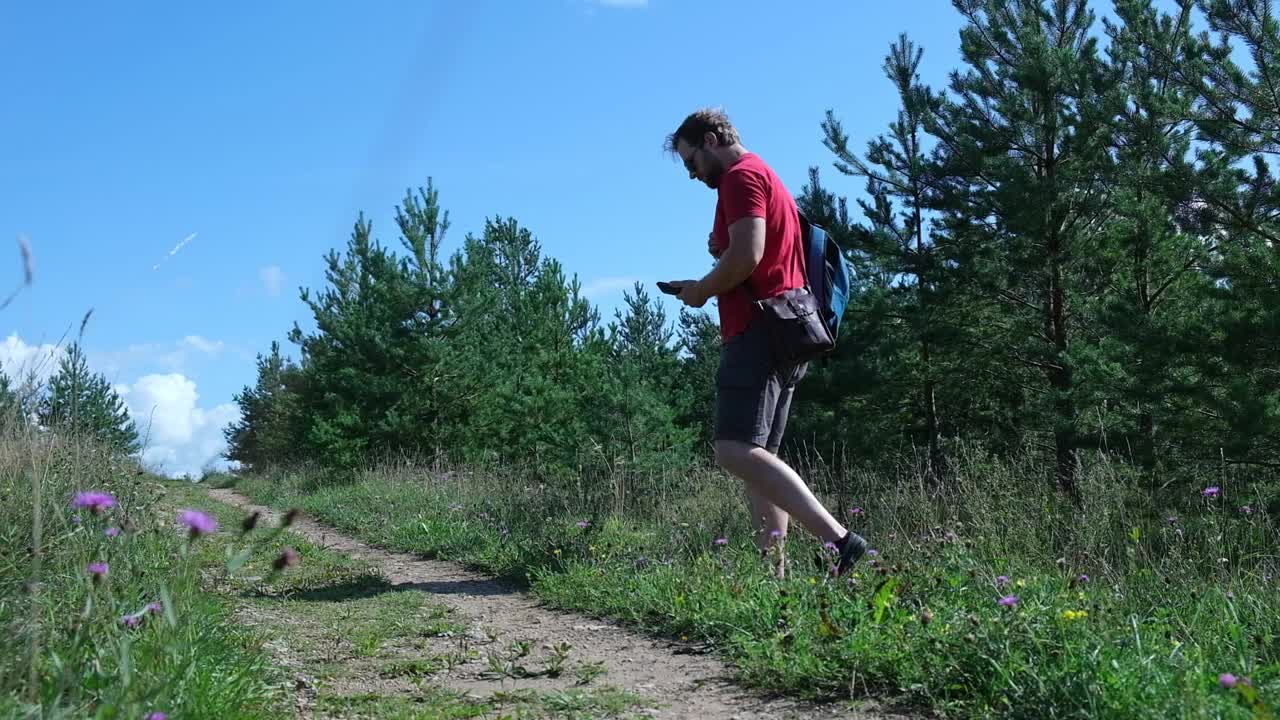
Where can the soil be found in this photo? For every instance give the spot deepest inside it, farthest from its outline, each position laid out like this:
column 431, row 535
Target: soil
column 675, row 680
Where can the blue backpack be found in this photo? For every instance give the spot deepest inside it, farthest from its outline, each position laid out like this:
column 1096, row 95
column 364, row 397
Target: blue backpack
column 827, row 273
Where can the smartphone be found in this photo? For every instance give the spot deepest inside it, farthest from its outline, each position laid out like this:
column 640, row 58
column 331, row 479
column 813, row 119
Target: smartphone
column 668, row 288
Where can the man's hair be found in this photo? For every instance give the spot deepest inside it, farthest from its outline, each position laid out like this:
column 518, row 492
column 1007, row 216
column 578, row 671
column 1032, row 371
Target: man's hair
column 699, row 123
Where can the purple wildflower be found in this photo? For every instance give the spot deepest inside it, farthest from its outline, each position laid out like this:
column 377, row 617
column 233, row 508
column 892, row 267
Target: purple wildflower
column 287, row 558
column 97, row 570
column 131, row 621
column 1211, row 491
column 1246, row 510
column 1082, row 579
column 873, row 552
column 720, row 541
column 583, row 524
column 1227, row 680
column 200, row 523
column 1002, row 580
column 1008, row 600
column 775, row 534
column 154, row 607
column 830, row 546
column 856, row 511
column 111, row 531
column 157, row 715
column 94, row 500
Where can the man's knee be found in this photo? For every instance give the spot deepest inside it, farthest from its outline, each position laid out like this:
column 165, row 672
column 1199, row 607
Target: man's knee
column 731, row 454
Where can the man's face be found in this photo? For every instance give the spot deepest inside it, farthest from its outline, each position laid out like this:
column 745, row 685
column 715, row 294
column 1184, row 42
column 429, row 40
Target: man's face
column 701, row 163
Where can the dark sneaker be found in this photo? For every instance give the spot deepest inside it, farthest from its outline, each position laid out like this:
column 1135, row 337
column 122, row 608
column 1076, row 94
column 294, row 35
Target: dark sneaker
column 854, row 547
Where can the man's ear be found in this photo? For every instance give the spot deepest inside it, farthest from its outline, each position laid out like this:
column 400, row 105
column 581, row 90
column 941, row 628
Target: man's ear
column 710, row 140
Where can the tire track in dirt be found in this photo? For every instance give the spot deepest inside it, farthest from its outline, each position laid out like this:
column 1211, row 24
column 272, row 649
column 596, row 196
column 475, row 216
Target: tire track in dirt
column 682, row 685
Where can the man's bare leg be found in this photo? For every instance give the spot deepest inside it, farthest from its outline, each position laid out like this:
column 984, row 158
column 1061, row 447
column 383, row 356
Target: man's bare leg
column 768, row 476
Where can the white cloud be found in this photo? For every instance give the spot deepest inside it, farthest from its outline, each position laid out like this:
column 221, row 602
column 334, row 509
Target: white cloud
column 208, row 347
column 182, row 243
column 272, row 278
column 603, row 286
column 179, row 437
column 21, row 361
column 140, row 357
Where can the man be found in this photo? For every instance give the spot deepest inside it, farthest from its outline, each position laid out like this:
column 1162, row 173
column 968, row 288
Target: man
column 756, row 242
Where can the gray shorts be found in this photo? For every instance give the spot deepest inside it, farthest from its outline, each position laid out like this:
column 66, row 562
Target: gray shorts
column 753, row 393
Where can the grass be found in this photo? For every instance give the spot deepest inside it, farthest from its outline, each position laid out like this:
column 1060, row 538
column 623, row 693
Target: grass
column 443, row 704
column 121, row 611
column 141, row 637
column 1133, row 606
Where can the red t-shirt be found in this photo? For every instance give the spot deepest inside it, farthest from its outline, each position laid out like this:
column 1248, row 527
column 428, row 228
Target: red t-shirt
column 749, row 187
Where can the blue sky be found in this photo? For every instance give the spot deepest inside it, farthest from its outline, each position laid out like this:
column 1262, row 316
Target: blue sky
column 247, row 136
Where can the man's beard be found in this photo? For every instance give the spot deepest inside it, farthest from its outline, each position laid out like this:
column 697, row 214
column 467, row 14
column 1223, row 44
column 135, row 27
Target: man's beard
column 713, row 177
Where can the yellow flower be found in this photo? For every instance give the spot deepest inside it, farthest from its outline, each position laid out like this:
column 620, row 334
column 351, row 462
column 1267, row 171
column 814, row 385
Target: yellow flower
column 1074, row 614
column 1021, row 583
column 813, row 581
column 557, row 552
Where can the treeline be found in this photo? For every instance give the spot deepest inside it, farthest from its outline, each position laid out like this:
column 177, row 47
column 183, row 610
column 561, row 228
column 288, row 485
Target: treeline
column 74, row 401
column 1070, row 248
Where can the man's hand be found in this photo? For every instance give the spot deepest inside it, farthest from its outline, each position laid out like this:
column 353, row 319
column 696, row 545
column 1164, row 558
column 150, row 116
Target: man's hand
column 711, row 246
column 692, row 293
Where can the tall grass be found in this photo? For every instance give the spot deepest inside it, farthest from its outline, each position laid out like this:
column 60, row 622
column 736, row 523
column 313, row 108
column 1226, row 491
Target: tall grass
column 1144, row 602
column 104, row 610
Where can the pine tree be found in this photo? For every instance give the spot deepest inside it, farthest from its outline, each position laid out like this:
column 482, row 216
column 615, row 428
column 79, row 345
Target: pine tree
column 1238, row 206
column 698, row 358
column 898, row 184
column 270, row 428
column 1025, row 141
column 856, row 403
column 371, row 362
column 641, row 409
column 524, row 349
column 12, row 413
column 1148, row 326
column 81, row 403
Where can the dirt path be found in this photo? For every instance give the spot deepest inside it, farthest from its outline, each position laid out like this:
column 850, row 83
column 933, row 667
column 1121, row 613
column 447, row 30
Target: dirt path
column 501, row 618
